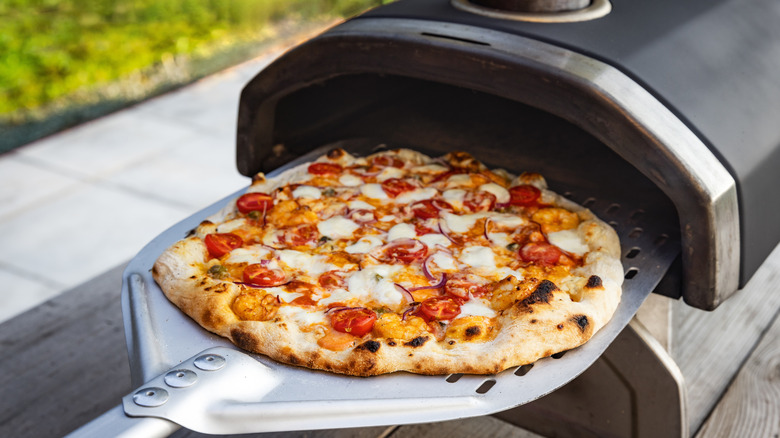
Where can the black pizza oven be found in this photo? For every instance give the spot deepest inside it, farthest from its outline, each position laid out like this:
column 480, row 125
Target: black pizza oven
column 676, row 104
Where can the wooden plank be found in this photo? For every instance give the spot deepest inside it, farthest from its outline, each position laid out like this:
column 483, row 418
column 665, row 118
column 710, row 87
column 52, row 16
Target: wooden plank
column 751, row 406
column 710, row 347
column 64, row 362
column 467, row 428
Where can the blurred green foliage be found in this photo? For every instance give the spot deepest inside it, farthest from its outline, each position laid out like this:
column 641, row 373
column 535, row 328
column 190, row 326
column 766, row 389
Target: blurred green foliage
column 52, row 48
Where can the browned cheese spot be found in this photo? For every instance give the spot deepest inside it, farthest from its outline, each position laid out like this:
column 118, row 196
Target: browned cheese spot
column 581, row 321
column 417, row 342
column 473, row 331
column 594, row 282
column 372, row 346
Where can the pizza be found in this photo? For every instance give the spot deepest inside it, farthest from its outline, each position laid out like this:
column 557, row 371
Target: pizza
column 398, row 262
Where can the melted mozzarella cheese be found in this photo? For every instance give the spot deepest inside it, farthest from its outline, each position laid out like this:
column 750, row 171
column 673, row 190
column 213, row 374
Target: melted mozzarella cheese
column 390, row 172
column 364, row 245
column 401, row 231
column 360, row 205
column 502, row 273
column 302, row 317
column 454, row 197
column 375, row 283
column 350, row 180
column 337, row 296
column 307, row 192
column 461, row 223
column 373, row 191
column 429, row 168
column 568, row 240
column 459, row 180
column 312, row 265
column 229, row 226
column 502, row 220
column 250, row 254
column 433, row 239
column 388, row 218
column 478, row 257
column 475, row 307
column 500, row 239
column 444, row 262
column 501, row 194
column 416, row 195
column 337, row 227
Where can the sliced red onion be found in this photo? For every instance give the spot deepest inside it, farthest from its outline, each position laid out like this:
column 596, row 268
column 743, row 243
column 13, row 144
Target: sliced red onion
column 412, row 308
column 443, row 248
column 487, row 222
column 426, row 270
column 362, row 216
column 255, row 286
column 440, row 205
column 406, row 293
column 445, row 232
column 340, row 308
column 438, row 285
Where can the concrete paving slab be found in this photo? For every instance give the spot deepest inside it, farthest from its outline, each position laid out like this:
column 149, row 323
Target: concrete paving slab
column 26, row 185
column 105, row 145
column 19, row 293
column 69, row 240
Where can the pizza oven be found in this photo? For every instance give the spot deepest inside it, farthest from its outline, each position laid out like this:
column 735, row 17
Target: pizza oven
column 673, row 103
column 661, row 117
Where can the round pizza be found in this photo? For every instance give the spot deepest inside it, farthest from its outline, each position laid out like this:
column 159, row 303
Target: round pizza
column 398, row 262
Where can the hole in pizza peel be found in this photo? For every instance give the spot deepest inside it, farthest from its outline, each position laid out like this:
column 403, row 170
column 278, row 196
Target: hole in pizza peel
column 631, row 273
column 485, row 386
column 636, row 232
column 613, row 208
column 588, row 202
column 523, row 370
column 636, row 215
column 633, row 253
column 454, row 378
column 660, row 240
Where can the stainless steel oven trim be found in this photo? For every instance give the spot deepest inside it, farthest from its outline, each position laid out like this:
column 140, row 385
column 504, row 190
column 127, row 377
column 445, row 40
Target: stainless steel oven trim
column 596, row 9
column 620, row 113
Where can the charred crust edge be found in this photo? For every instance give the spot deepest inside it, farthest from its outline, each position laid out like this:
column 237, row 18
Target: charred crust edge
column 542, row 294
column 581, row 321
column 371, row 346
column 417, row 342
column 594, row 282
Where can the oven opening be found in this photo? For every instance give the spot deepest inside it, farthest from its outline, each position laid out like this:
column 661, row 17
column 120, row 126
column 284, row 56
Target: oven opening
column 435, row 118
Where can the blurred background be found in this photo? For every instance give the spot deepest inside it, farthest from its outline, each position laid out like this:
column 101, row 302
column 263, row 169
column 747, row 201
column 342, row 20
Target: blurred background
column 67, row 61
column 117, row 119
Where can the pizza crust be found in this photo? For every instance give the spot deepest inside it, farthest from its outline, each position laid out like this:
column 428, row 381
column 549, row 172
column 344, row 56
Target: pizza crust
column 551, row 319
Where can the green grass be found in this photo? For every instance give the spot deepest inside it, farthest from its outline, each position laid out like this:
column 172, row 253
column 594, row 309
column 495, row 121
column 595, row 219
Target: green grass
column 73, row 59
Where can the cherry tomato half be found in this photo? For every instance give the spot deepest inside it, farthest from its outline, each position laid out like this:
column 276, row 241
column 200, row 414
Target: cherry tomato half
column 323, row 169
column 395, row 186
column 541, row 253
column 404, row 251
column 301, row 234
column 331, row 280
column 524, row 195
column 355, row 321
column 387, row 161
column 461, row 287
column 219, row 244
column 429, row 208
column 479, row 201
column 439, row 309
column 254, row 202
column 259, row 275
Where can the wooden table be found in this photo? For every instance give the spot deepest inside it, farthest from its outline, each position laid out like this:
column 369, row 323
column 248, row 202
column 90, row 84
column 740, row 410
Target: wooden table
column 65, row 363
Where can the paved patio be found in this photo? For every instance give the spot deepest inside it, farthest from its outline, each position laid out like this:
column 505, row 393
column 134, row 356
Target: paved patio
column 87, row 199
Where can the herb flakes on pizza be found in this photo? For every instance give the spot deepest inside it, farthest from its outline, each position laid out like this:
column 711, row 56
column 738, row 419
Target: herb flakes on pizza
column 398, row 262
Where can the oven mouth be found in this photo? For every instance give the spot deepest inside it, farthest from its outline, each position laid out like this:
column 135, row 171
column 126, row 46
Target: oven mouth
column 494, row 9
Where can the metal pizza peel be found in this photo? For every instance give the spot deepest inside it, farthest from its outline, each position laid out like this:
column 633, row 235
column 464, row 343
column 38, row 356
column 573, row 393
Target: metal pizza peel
column 188, row 377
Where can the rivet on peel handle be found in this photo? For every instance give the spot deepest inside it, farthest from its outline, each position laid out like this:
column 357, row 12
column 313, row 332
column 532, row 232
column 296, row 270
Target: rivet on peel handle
column 151, row 397
column 180, row 378
column 210, row 362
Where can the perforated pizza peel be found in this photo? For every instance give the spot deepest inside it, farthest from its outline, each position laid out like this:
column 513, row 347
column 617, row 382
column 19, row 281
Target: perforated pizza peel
column 188, row 377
